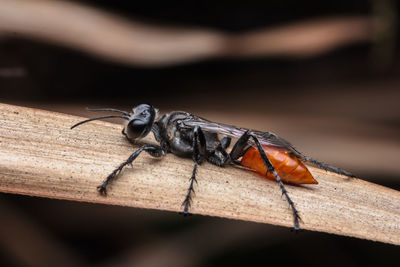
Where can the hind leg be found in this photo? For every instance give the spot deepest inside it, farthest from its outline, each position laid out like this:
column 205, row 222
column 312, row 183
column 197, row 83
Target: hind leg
column 241, row 147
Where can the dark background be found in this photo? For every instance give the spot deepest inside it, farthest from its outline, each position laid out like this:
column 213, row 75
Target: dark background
column 348, row 96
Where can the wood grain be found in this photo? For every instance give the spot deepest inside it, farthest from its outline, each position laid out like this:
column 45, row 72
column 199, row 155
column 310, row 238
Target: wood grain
column 41, row 156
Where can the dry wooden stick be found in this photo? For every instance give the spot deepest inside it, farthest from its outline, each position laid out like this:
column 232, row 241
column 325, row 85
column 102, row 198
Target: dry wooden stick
column 41, row 156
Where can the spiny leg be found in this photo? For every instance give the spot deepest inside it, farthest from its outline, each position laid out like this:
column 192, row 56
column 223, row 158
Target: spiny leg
column 271, row 169
column 188, row 199
column 328, row 167
column 154, row 151
column 199, row 150
column 242, row 145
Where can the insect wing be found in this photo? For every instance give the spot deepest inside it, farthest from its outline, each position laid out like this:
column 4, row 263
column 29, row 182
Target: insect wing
column 265, row 138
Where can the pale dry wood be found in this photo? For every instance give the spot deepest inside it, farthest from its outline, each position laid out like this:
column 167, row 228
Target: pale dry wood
column 41, row 156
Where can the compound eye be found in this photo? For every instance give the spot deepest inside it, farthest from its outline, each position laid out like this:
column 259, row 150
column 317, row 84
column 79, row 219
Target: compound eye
column 136, row 129
column 140, row 122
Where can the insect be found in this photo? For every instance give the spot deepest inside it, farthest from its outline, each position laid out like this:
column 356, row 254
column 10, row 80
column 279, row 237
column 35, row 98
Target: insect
column 187, row 135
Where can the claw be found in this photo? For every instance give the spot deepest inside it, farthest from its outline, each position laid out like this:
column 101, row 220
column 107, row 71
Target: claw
column 102, row 189
column 185, row 213
column 187, row 202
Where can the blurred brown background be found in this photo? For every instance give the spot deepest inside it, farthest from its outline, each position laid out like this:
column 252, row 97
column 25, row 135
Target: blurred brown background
column 324, row 75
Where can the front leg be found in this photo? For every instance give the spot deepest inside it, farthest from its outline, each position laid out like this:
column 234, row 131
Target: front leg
column 154, row 151
column 130, row 140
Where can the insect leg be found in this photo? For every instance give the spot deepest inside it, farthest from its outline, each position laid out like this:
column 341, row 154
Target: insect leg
column 240, row 147
column 327, row 167
column 161, row 135
column 236, row 152
column 221, row 158
column 225, row 142
column 199, row 150
column 154, row 151
column 130, row 140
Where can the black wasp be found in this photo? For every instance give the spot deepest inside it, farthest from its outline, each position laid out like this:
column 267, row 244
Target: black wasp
column 187, row 135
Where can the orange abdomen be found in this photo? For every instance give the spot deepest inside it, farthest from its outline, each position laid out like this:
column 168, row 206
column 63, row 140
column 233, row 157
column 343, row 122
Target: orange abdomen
column 289, row 168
